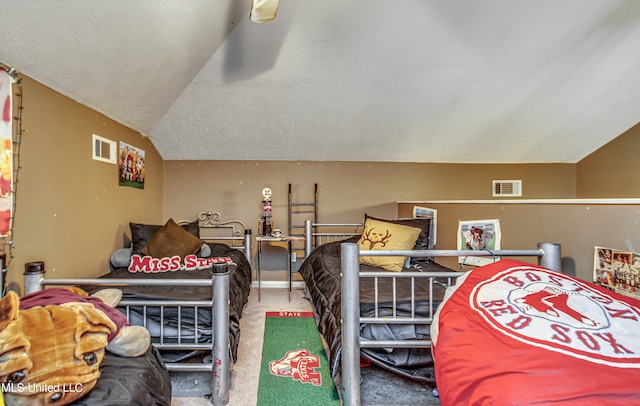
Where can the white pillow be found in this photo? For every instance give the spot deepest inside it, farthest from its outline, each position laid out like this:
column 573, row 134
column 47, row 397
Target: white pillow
column 205, row 251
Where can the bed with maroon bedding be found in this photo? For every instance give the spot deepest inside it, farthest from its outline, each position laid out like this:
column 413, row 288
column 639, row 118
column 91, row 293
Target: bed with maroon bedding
column 515, row 333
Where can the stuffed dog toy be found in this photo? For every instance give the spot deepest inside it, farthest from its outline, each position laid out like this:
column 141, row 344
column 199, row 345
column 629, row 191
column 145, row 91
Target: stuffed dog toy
column 52, row 343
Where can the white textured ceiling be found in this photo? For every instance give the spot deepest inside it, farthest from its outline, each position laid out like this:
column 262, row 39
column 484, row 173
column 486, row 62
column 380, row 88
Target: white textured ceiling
column 363, row 80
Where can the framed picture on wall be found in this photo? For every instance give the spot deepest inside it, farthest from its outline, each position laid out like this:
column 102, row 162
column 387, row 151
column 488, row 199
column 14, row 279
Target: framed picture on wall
column 131, row 169
column 618, row 270
column 478, row 235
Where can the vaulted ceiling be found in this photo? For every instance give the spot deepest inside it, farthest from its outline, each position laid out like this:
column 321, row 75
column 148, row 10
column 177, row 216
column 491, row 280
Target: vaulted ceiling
column 520, row 81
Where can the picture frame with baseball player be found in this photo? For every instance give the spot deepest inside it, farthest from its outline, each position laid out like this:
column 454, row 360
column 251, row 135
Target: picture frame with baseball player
column 476, row 235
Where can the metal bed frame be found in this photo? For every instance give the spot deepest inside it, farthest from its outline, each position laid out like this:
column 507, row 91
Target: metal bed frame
column 548, row 256
column 34, row 280
column 314, row 238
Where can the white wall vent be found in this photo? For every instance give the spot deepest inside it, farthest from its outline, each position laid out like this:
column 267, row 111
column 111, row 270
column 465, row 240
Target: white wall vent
column 507, row 188
column 104, row 149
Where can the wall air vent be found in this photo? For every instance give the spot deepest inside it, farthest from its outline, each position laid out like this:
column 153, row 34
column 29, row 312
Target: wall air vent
column 103, row 149
column 507, row 188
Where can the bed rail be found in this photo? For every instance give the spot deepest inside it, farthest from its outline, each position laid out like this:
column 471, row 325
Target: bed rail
column 35, row 280
column 337, row 231
column 234, row 233
column 548, row 256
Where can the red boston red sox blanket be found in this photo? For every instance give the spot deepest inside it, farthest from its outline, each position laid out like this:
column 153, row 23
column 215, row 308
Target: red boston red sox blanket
column 512, row 333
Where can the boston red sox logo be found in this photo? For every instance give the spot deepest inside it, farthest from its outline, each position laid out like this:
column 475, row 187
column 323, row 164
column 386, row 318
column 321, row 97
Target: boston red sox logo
column 556, row 303
column 550, row 310
column 300, row 365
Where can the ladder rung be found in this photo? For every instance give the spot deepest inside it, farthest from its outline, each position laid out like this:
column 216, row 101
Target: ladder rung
column 296, row 209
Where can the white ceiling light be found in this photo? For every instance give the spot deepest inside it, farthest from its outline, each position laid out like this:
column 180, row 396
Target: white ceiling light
column 263, row 10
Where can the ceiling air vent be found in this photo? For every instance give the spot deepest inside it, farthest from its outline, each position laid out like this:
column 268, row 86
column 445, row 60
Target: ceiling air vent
column 507, row 188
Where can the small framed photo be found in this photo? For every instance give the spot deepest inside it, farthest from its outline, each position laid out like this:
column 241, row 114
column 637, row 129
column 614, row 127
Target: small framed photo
column 617, row 270
column 478, row 235
column 131, row 169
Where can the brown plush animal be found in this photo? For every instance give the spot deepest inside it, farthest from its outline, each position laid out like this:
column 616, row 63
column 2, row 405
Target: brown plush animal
column 51, row 353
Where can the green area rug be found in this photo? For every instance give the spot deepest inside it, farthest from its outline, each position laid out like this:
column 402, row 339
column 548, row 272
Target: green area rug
column 294, row 368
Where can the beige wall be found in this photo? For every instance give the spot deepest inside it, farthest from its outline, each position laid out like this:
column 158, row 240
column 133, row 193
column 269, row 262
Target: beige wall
column 349, row 189
column 346, row 189
column 577, row 227
column 71, row 213
column 612, row 171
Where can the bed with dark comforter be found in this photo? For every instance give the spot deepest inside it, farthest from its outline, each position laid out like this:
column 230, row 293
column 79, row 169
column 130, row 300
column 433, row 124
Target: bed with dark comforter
column 321, row 273
column 239, row 289
column 145, row 380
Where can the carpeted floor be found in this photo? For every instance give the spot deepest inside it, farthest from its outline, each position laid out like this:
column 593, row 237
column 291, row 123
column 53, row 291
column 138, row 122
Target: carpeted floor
column 379, row 388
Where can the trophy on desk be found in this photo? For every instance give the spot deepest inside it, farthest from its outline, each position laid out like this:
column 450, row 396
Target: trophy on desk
column 266, row 223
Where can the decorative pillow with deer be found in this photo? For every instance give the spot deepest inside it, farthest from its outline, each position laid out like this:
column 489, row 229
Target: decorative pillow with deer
column 382, row 235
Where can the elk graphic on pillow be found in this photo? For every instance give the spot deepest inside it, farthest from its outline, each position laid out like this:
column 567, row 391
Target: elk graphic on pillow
column 53, row 341
column 374, row 237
